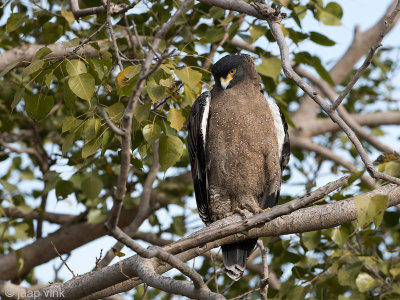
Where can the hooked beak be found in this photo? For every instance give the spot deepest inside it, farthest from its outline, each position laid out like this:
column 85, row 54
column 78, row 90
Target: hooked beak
column 225, row 81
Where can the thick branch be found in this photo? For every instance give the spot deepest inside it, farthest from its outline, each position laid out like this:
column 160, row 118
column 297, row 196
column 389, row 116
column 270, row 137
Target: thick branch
column 307, row 219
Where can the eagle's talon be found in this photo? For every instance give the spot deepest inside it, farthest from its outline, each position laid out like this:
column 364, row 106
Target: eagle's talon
column 255, row 209
column 228, row 214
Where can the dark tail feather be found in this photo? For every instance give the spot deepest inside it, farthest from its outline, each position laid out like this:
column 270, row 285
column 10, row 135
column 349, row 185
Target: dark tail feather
column 235, row 256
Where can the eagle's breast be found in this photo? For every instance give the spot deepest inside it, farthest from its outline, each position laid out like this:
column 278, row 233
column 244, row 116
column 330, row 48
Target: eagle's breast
column 242, row 147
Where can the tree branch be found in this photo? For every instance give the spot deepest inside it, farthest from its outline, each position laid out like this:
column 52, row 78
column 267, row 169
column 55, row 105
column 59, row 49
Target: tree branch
column 114, row 9
column 306, row 219
column 386, row 27
column 120, row 190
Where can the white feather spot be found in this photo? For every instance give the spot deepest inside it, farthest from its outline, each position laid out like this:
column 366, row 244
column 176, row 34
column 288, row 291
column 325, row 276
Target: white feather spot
column 279, row 129
column 204, row 120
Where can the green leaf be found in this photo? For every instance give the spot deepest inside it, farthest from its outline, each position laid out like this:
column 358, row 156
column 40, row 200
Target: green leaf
column 47, row 79
column 36, row 65
column 63, row 189
column 68, row 15
column 348, row 273
column 97, row 66
column 91, row 147
column 92, row 186
column 75, row 67
column 15, row 21
column 156, row 92
column 116, row 111
column 380, row 203
column 170, row 150
column 189, row 77
column 42, row 52
column 311, row 239
column 331, row 14
column 151, row 133
column 270, row 67
column 127, row 74
column 68, row 142
column 370, row 209
column 392, row 168
column 323, row 72
column 8, row 68
column 214, row 34
column 69, row 97
column 176, row 118
column 70, row 123
column 95, row 216
column 354, row 176
column 38, row 106
column 365, row 282
column 107, row 137
column 91, row 128
column 340, row 235
column 82, row 85
column 10, row 188
column 257, row 31
column 321, row 39
column 52, row 32
column 142, row 111
column 17, row 98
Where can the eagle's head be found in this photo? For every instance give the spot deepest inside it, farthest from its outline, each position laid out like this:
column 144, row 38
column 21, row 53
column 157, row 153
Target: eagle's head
column 233, row 69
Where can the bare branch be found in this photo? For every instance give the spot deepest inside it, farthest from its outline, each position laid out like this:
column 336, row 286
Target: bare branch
column 114, row 40
column 265, row 278
column 15, row 213
column 127, row 120
column 162, row 255
column 273, row 22
column 362, row 41
column 305, row 219
column 114, row 9
column 387, row 25
column 328, row 91
column 305, row 143
column 63, row 260
column 145, row 209
column 110, row 123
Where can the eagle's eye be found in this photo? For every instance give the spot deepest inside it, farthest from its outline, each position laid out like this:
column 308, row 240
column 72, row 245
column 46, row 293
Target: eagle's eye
column 232, row 72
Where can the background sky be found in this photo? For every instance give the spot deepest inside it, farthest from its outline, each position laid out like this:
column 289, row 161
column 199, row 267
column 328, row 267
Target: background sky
column 355, row 12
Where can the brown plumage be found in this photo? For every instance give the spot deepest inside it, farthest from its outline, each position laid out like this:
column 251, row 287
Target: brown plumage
column 245, row 150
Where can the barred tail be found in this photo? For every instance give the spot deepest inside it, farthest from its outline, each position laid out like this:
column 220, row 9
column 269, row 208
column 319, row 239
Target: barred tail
column 235, row 256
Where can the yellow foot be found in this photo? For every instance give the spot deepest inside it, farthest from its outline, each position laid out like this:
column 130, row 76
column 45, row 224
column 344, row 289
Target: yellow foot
column 255, row 209
column 228, row 214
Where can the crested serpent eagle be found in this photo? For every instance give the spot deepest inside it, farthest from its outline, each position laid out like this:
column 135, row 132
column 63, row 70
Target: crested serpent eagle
column 238, row 146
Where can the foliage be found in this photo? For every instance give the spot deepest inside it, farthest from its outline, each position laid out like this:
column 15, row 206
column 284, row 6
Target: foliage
column 50, row 110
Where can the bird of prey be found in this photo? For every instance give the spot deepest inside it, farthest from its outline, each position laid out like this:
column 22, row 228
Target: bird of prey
column 238, row 147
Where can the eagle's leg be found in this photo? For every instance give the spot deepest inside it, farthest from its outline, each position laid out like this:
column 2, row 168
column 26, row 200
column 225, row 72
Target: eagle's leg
column 248, row 203
column 253, row 207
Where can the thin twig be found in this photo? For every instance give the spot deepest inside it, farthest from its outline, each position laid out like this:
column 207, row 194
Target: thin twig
column 130, row 37
column 264, row 282
column 160, row 253
column 115, row 9
column 387, row 25
column 4, row 4
column 114, row 40
column 62, row 259
column 110, row 123
column 120, row 190
column 145, row 209
column 274, row 23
